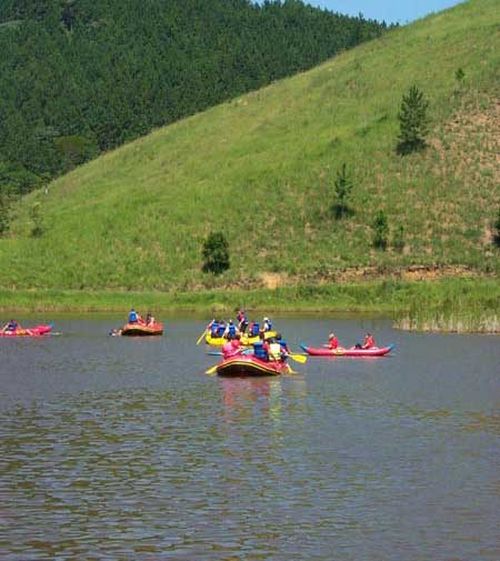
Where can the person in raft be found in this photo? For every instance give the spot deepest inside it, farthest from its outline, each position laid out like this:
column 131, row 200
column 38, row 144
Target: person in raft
column 11, row 326
column 232, row 347
column 134, row 317
column 230, row 331
column 242, row 321
column 150, row 320
column 368, row 343
column 333, row 342
column 267, row 324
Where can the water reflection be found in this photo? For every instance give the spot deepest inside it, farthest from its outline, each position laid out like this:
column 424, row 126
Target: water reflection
column 116, row 450
column 245, row 397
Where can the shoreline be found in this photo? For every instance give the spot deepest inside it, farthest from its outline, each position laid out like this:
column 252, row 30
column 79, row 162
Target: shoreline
column 452, row 305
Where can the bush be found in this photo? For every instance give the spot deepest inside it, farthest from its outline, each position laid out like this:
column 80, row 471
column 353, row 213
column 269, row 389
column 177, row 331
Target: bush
column 343, row 187
column 398, row 241
column 215, row 254
column 381, row 231
column 412, row 122
column 496, row 230
column 36, row 218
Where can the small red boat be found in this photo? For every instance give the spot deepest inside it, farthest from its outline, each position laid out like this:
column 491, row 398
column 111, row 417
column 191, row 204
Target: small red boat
column 352, row 351
column 36, row 331
column 250, row 365
column 141, row 329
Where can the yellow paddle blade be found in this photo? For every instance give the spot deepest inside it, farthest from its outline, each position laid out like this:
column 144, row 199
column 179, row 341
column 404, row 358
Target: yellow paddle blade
column 201, row 337
column 211, row 370
column 298, row 358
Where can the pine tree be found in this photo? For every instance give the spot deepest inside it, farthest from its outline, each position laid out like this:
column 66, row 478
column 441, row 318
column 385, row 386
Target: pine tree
column 496, row 233
column 343, row 187
column 398, row 240
column 381, row 231
column 412, row 122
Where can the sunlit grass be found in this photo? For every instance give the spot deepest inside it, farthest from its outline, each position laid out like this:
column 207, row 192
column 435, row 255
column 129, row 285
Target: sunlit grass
column 260, row 168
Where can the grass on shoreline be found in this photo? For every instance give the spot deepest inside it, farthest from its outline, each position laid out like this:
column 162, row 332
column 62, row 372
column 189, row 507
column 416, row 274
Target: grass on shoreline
column 462, row 305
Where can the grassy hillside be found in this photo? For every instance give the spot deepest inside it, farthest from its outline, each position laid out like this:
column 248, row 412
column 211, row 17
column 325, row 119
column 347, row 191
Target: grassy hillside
column 261, row 169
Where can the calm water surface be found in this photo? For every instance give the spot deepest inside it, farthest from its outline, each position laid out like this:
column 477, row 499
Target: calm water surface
column 123, row 449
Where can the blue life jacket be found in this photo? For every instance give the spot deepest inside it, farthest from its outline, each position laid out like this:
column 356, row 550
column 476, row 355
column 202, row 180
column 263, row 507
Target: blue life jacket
column 259, row 351
column 255, row 329
column 232, row 330
column 132, row 317
column 214, row 329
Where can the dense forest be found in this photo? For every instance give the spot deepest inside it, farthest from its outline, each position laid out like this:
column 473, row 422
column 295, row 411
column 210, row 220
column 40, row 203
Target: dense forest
column 80, row 77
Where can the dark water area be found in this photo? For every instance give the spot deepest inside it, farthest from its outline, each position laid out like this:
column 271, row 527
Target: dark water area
column 124, row 449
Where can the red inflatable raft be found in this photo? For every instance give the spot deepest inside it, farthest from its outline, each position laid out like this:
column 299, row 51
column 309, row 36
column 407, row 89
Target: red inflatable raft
column 36, row 331
column 250, row 365
column 353, row 351
column 141, row 330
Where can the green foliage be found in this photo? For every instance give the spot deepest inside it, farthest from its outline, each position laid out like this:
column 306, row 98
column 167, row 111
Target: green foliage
column 36, row 218
column 343, row 187
column 398, row 241
column 135, row 219
column 413, row 121
column 82, row 77
column 496, row 231
column 380, row 231
column 215, row 254
column 5, row 202
column 459, row 75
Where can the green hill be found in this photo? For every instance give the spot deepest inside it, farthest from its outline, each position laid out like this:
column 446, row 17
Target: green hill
column 80, row 78
column 261, row 169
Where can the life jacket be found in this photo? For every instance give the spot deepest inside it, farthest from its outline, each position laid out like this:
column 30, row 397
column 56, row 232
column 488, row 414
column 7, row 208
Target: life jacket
column 259, row 351
column 132, row 317
column 231, row 330
column 214, row 328
column 255, row 329
column 227, row 349
column 275, row 351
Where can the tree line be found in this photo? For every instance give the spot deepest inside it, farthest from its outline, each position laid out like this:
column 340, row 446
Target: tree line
column 80, row 77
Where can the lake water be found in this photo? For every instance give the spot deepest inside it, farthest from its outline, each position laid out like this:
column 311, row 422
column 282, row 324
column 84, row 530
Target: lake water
column 123, row 449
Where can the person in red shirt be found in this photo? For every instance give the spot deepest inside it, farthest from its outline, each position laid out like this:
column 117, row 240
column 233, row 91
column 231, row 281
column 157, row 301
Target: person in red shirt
column 333, row 342
column 369, row 342
column 231, row 347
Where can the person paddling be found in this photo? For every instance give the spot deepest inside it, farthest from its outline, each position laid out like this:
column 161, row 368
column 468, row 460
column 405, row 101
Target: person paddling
column 133, row 316
column 333, row 342
column 368, row 342
column 231, row 347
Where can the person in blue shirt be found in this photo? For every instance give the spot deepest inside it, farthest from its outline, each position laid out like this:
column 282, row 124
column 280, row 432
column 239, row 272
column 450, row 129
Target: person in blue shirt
column 230, row 332
column 214, row 328
column 134, row 317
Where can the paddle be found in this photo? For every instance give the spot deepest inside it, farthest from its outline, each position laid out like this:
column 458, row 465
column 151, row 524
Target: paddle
column 211, row 371
column 302, row 359
column 201, row 336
